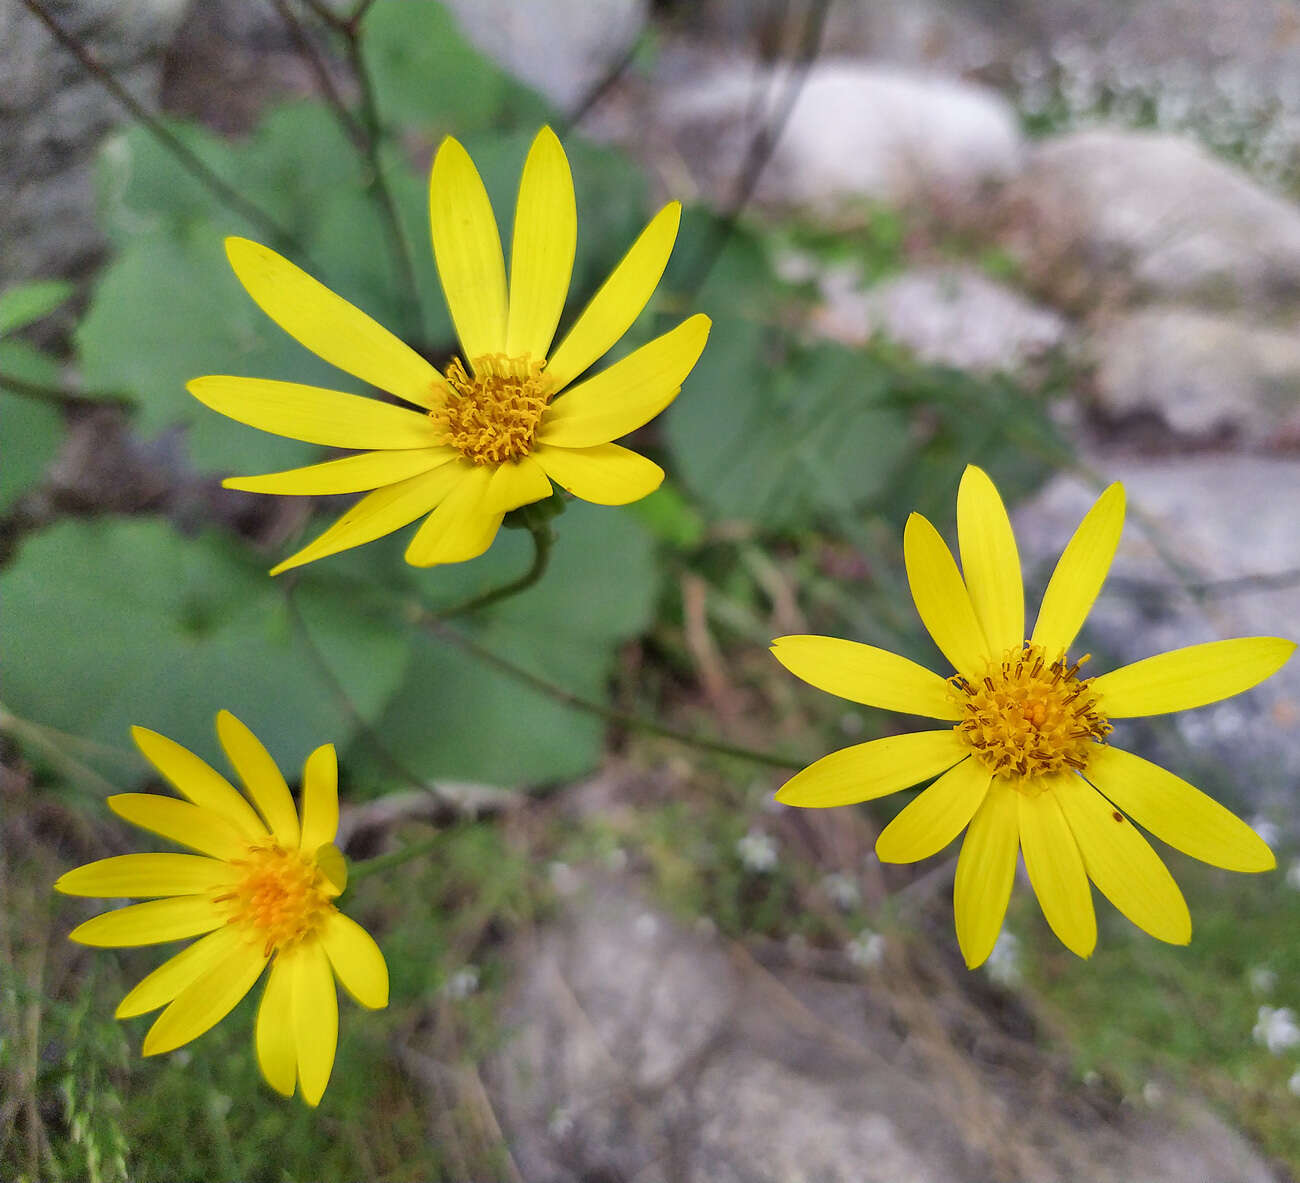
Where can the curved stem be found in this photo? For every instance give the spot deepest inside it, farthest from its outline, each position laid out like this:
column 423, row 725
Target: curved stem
column 394, row 858
column 543, row 539
column 57, row 396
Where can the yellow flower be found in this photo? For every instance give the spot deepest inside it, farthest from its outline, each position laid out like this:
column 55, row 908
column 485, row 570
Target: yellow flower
column 489, row 434
column 1027, row 763
column 261, row 888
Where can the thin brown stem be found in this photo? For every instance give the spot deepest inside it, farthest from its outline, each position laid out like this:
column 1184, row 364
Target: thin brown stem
column 316, row 63
column 58, row 396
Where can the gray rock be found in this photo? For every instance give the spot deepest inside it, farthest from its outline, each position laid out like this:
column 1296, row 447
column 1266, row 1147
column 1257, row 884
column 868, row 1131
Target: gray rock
column 561, row 48
column 1155, row 214
column 1201, row 372
column 643, row 1050
column 856, row 133
column 954, row 316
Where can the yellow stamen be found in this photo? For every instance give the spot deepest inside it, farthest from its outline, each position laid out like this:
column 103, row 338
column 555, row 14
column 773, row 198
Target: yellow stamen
column 280, row 898
column 493, row 415
column 1027, row 716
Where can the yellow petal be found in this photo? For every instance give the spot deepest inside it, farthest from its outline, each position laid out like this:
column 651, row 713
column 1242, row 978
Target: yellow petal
column 937, row 816
column 351, row 474
column 205, row 1001
column 990, row 561
column 1080, row 572
column 313, row 414
column 277, row 1053
column 620, row 299
column 1177, row 813
column 516, row 483
column 461, row 527
column 357, row 960
column 380, row 513
column 629, row 393
column 261, row 776
column 199, row 781
column 333, row 866
column 174, row 975
column 865, row 674
column 320, row 798
column 1191, row 677
column 541, row 251
column 1123, row 866
column 986, row 869
column 605, row 475
column 330, row 327
column 189, row 825
column 315, row 1019
column 941, row 598
column 1056, row 868
column 146, row 875
column 153, row 923
column 875, row 769
column 467, row 249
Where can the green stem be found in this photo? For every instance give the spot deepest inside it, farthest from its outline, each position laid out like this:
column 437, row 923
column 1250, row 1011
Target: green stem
column 543, row 540
column 395, row 858
column 57, row 396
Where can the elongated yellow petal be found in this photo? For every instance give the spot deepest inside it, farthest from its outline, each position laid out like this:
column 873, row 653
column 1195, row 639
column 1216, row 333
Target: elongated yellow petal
column 1191, row 677
column 146, row 875
column 990, row 561
column 333, row 866
column 875, row 769
column 620, row 299
column 986, row 869
column 941, row 598
column 516, row 483
column 199, row 781
column 605, row 475
column 189, row 825
column 205, row 1001
column 153, row 923
column 629, row 393
column 467, row 249
column 937, row 816
column 320, row 798
column 865, row 674
column 380, row 513
column 461, row 527
column 330, row 327
column 357, row 960
column 315, row 1020
column 1123, row 866
column 351, row 474
column 1177, row 813
column 277, row 1051
column 174, row 975
column 1080, row 572
column 314, row 414
column 261, row 776
column 1056, row 868
column 541, row 250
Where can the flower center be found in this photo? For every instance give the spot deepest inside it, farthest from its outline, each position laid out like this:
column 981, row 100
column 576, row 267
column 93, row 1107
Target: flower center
column 492, row 415
column 1028, row 716
column 281, row 897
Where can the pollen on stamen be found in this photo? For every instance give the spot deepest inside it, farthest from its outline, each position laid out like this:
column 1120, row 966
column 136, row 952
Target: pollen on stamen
column 492, row 415
column 1027, row 716
column 280, row 899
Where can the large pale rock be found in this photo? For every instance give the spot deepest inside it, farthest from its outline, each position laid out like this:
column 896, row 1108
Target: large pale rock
column 644, row 1050
column 856, row 132
column 1155, row 215
column 1201, row 372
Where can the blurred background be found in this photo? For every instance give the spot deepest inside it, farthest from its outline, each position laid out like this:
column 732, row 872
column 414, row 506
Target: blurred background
column 1057, row 239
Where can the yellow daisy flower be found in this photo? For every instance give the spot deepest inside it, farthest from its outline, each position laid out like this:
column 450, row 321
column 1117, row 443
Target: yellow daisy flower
column 1026, row 762
column 491, row 433
column 261, row 888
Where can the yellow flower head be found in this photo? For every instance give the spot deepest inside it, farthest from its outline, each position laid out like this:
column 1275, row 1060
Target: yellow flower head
column 1026, row 762
column 262, row 889
column 505, row 419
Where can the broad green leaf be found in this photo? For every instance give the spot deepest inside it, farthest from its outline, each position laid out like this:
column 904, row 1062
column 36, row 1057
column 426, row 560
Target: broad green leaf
column 32, row 430
column 29, row 302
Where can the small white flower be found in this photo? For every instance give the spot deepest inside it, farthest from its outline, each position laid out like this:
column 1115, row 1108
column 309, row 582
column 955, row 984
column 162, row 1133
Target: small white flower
column 842, row 890
column 1293, row 874
column 1003, row 965
column 462, row 983
column 867, row 949
column 645, row 926
column 1266, row 829
column 757, row 852
column 1262, row 980
column 1276, row 1029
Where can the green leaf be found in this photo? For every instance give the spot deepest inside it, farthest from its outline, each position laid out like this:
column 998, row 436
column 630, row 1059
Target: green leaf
column 460, row 718
column 33, row 430
column 121, row 621
column 29, row 302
